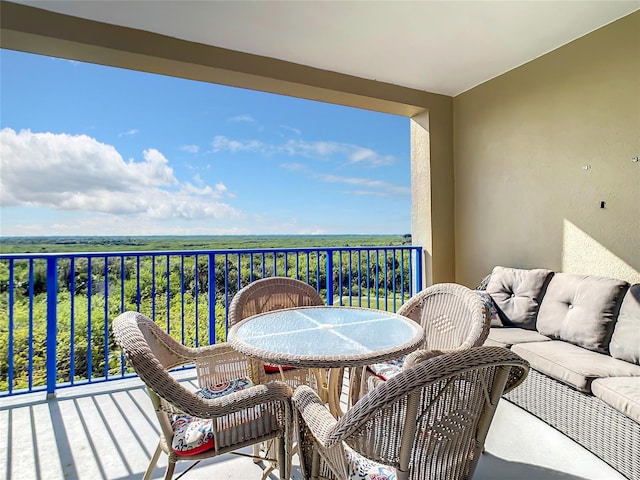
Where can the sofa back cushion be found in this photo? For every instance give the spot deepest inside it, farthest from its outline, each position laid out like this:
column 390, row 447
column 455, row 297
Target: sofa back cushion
column 517, row 294
column 625, row 341
column 581, row 309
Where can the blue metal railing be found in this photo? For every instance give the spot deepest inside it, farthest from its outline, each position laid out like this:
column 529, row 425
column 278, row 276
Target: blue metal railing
column 55, row 309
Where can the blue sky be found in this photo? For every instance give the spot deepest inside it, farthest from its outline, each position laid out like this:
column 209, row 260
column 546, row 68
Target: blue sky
column 93, row 150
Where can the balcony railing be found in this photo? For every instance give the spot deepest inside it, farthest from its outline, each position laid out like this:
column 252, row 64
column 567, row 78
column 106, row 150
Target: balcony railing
column 55, row 309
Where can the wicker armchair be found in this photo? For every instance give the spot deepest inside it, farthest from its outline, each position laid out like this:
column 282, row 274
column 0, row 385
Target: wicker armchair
column 453, row 318
column 452, row 315
column 428, row 422
column 266, row 295
column 227, row 414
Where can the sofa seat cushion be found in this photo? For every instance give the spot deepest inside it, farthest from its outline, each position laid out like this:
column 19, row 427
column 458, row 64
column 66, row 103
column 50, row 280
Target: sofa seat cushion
column 517, row 294
column 622, row 393
column 581, row 309
column 507, row 336
column 573, row 365
column 493, row 343
column 625, row 341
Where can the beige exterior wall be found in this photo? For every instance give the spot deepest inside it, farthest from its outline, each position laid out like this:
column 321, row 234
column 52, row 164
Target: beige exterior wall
column 432, row 191
column 522, row 141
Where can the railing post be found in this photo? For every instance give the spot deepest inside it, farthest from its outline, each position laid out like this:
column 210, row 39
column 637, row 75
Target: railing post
column 418, row 279
column 52, row 325
column 329, row 277
column 211, row 296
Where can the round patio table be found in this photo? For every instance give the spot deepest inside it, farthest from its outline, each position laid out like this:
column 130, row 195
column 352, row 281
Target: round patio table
column 321, row 338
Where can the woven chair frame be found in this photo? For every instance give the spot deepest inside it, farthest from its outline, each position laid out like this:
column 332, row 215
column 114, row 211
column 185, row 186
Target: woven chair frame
column 266, row 295
column 452, row 316
column 428, row 422
column 243, row 418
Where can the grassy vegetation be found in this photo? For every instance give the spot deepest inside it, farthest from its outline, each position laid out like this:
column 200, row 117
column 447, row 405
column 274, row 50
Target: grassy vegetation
column 170, row 243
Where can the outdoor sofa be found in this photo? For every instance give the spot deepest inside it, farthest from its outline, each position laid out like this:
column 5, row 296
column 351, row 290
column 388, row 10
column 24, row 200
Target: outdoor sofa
column 581, row 336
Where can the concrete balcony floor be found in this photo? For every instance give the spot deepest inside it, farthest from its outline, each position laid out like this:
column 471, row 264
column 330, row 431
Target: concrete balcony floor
column 109, row 431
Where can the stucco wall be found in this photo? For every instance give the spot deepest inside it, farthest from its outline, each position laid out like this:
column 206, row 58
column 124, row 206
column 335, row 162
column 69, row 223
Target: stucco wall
column 432, row 190
column 537, row 150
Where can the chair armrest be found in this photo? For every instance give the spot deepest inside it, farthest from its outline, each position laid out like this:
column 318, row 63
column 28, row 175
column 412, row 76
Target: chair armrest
column 254, row 396
column 174, row 354
column 315, row 414
column 419, row 356
column 207, row 351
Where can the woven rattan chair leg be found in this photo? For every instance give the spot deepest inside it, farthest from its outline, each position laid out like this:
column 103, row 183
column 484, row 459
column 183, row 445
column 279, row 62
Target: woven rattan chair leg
column 284, row 463
column 171, row 466
column 315, row 465
column 153, row 462
column 267, row 471
column 256, row 453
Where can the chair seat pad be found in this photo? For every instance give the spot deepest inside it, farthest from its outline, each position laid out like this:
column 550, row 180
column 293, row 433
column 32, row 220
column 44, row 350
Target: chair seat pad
column 271, row 368
column 193, row 435
column 386, row 370
column 361, row 468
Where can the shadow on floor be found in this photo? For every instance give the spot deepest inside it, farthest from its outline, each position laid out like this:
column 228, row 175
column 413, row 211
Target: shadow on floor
column 491, row 467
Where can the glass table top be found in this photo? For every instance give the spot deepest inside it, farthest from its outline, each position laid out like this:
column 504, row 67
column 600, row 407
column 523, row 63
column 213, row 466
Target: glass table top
column 330, row 333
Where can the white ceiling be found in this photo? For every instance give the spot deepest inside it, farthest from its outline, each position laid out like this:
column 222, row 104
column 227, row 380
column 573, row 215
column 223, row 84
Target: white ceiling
column 443, row 47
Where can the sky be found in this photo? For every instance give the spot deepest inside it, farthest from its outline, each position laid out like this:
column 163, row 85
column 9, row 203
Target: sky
column 93, row 150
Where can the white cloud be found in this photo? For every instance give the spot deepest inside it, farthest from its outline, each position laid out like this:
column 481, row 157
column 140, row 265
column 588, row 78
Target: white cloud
column 78, row 173
column 378, row 188
column 297, row 131
column 293, row 167
column 242, row 118
column 128, row 133
column 312, row 231
column 311, row 149
column 369, row 157
column 222, row 143
column 324, row 150
column 107, row 225
column 190, row 148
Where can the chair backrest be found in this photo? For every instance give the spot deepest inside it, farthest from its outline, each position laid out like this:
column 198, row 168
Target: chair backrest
column 452, row 315
column 431, row 420
column 273, row 293
column 152, row 353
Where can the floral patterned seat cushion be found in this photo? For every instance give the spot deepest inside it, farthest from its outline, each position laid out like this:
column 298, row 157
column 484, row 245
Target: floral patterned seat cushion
column 386, row 370
column 192, row 435
column 361, row 468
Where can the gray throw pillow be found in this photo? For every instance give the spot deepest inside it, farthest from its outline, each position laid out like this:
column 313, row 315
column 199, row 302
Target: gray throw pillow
column 581, row 309
column 517, row 294
column 491, row 307
column 625, row 341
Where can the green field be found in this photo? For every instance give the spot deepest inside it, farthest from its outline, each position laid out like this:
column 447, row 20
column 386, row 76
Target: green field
column 178, row 243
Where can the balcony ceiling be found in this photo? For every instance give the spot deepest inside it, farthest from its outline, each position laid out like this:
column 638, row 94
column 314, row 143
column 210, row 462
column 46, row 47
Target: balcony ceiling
column 444, row 47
